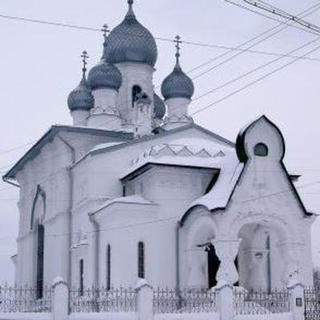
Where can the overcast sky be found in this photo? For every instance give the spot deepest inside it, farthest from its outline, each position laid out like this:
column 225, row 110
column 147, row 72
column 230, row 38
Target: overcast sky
column 40, row 65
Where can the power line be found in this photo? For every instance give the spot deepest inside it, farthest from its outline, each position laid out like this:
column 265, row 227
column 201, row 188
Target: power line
column 254, row 70
column 193, row 43
column 268, row 17
column 283, row 14
column 304, row 13
column 251, row 83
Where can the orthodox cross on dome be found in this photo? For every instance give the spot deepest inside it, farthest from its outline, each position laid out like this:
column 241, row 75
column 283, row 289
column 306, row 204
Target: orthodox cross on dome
column 84, row 57
column 105, row 30
column 178, row 42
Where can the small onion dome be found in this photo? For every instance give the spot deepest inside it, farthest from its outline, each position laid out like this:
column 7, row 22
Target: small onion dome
column 177, row 85
column 159, row 107
column 105, row 75
column 81, row 97
column 130, row 41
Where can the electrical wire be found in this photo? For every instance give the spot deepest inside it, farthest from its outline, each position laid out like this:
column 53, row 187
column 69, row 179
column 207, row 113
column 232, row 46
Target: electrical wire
column 251, row 83
column 192, row 43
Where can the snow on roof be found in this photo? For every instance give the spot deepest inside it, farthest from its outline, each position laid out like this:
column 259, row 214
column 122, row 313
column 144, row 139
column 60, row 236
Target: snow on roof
column 221, row 192
column 200, row 153
column 134, row 199
column 106, row 145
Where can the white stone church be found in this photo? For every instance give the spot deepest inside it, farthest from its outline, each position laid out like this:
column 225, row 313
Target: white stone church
column 135, row 189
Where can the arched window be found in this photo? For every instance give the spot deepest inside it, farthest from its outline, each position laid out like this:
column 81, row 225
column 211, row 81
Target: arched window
column 38, row 207
column 136, row 91
column 108, row 266
column 40, row 261
column 141, row 266
column 261, row 150
column 81, row 277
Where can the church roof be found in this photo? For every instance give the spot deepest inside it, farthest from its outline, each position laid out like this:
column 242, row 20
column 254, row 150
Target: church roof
column 49, row 136
column 174, row 154
column 130, row 41
column 134, row 199
column 162, row 133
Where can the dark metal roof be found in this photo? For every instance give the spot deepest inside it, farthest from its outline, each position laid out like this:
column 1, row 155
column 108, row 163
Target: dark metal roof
column 177, row 85
column 130, row 41
column 105, row 75
column 81, row 97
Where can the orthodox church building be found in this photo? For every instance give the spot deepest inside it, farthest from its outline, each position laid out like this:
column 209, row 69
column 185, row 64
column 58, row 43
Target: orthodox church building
column 135, row 189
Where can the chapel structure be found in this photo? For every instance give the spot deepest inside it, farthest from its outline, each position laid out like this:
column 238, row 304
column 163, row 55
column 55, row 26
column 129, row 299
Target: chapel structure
column 135, row 189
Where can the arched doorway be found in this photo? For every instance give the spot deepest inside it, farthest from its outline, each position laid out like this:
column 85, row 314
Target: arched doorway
column 199, row 262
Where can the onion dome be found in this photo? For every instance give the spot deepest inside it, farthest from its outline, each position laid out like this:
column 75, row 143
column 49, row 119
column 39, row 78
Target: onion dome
column 130, row 41
column 81, row 97
column 177, row 84
column 104, row 74
column 159, row 107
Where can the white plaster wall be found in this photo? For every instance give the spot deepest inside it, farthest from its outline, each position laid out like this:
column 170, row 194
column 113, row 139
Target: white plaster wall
column 133, row 74
column 105, row 98
column 177, row 106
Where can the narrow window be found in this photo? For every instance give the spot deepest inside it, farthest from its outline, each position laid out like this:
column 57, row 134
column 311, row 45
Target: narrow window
column 261, row 150
column 40, row 261
column 136, row 90
column 81, row 277
column 108, row 267
column 141, row 267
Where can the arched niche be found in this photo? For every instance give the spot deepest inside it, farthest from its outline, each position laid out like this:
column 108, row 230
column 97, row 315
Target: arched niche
column 199, row 259
column 261, row 259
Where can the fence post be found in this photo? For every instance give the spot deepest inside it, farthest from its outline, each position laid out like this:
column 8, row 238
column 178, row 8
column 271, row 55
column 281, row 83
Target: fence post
column 297, row 303
column 60, row 299
column 144, row 300
column 224, row 298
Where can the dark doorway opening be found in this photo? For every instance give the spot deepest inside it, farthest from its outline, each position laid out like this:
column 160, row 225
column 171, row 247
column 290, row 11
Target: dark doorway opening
column 236, row 262
column 40, row 261
column 213, row 265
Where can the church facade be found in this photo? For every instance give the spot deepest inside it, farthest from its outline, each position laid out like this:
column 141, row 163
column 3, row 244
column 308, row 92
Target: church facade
column 135, row 189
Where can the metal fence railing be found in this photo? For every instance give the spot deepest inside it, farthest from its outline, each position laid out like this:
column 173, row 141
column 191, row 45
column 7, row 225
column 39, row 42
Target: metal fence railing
column 312, row 303
column 261, row 302
column 184, row 301
column 102, row 300
column 25, row 299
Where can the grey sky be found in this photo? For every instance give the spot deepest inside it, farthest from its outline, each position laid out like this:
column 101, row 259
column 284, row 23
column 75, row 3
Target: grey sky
column 40, row 65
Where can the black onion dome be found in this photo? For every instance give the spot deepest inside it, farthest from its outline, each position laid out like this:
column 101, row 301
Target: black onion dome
column 130, row 41
column 159, row 107
column 105, row 75
column 177, row 85
column 81, row 97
